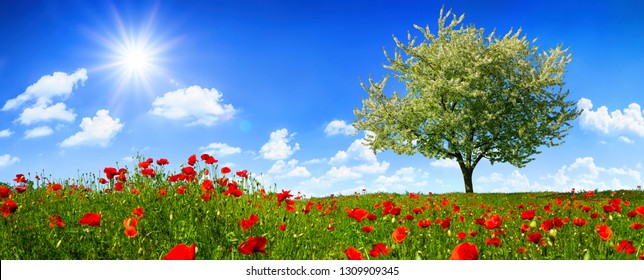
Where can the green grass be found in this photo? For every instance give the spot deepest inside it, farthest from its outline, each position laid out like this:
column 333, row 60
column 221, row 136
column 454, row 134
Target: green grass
column 214, row 225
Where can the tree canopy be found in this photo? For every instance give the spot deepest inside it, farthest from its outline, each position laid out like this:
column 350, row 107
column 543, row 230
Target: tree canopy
column 469, row 96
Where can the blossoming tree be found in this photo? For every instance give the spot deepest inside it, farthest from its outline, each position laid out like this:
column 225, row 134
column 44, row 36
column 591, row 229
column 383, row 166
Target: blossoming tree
column 469, row 96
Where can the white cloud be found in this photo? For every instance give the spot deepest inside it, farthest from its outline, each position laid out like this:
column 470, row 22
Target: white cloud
column 5, row 133
column 339, row 127
column 60, row 84
column 372, row 168
column 628, row 120
column 342, row 173
column 625, row 139
column 41, row 113
column 96, row 131
column 315, row 161
column 582, row 174
column 447, row 163
column 299, row 171
column 277, row 146
column 7, row 159
column 356, row 151
column 277, row 167
column 220, row 149
column 38, row 132
column 195, row 105
column 404, row 179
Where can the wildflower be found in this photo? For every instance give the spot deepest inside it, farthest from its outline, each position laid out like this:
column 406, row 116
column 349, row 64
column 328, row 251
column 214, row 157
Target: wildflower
column 579, row 222
column 192, row 160
column 5, row 192
column 367, row 229
column 242, row 173
column 461, row 235
column 534, row 237
column 21, row 188
column 247, row 224
column 400, row 234
column 282, row 227
column 625, row 246
column 56, row 221
column 353, row 253
column 496, row 242
column 604, row 232
column 162, row 161
column 636, row 226
column 378, row 249
column 138, row 212
column 181, row 252
column 493, row 222
column 253, row 245
column 424, row 223
column 225, row 170
column 91, row 219
column 465, row 251
column 357, row 214
column 130, row 226
column 527, row 215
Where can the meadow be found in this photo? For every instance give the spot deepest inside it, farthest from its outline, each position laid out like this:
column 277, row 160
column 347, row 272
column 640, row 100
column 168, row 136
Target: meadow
column 209, row 212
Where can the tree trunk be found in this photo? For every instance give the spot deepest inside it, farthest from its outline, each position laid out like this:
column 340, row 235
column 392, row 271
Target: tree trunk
column 467, row 179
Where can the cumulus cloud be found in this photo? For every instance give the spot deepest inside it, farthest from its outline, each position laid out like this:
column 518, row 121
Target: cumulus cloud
column 288, row 169
column 7, row 159
column 582, row 174
column 220, row 149
column 629, row 120
column 339, row 127
column 405, row 178
column 277, row 146
column 194, row 105
column 41, row 113
column 5, row 133
column 357, row 151
column 96, row 131
column 447, row 163
column 40, row 131
column 59, row 84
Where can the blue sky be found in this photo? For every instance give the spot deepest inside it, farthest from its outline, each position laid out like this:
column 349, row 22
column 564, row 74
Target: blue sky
column 270, row 86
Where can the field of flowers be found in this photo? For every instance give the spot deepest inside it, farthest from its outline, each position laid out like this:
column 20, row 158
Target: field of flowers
column 213, row 213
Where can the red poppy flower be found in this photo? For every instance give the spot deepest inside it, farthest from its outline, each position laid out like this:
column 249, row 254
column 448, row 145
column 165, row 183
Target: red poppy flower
column 21, row 188
column 181, row 252
column 527, row 215
column 5, row 192
column 181, row 190
column 367, row 229
column 579, row 222
column 144, row 164
column 461, row 235
column 353, row 253
column 378, row 249
column 547, row 225
column 233, row 190
column 357, row 214
column 473, row 233
column 625, row 246
column 586, row 209
column 480, row 221
column 493, row 222
column 283, row 195
column 130, row 226
column 446, row 223
column 525, row 228
column 424, row 223
column 118, row 186
column 225, row 170
column 400, row 234
column 207, row 186
column 282, row 227
column 640, row 210
column 163, row 192
column 205, row 197
column 608, row 209
column 56, row 221
column 91, row 219
column 102, row 181
column 253, row 245
column 534, row 237
column 20, row 178
column 417, row 210
column 522, row 250
column 138, row 212
column 496, row 242
column 636, row 226
column 192, row 160
column 242, row 173
column 604, row 232
column 631, row 214
column 594, row 215
column 162, row 161
column 465, row 251
column 246, row 224
column 372, row 217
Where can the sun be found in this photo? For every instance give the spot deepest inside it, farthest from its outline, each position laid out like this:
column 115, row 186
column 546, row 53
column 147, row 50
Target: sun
column 135, row 60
